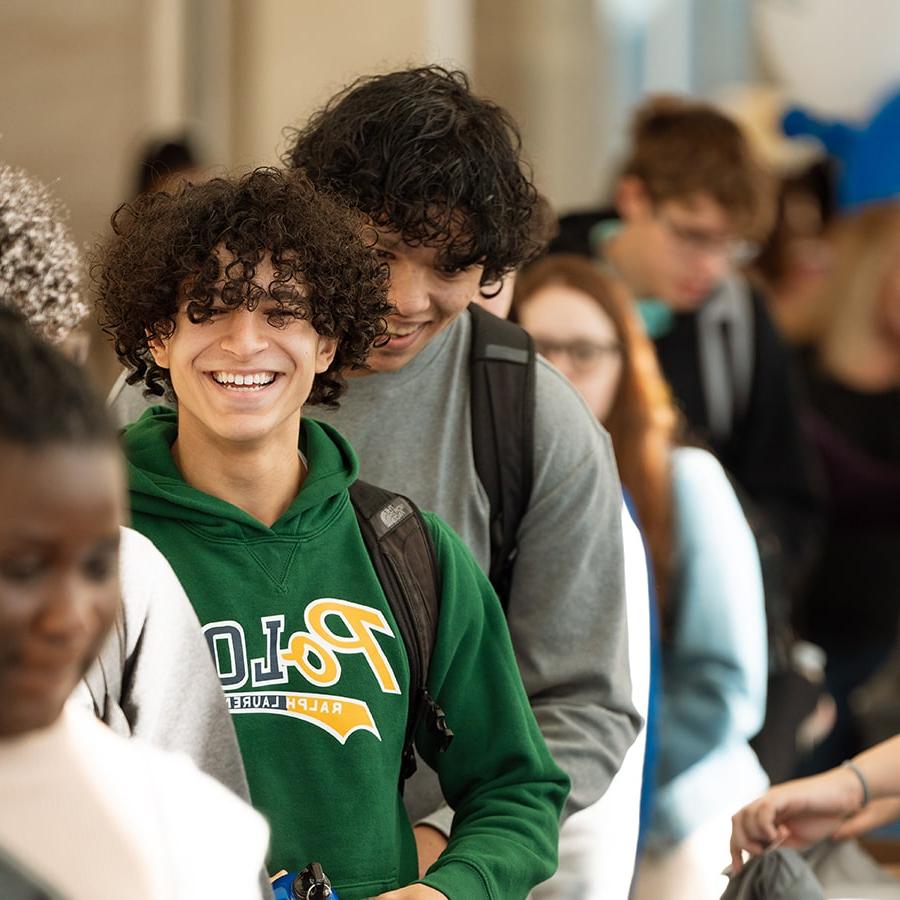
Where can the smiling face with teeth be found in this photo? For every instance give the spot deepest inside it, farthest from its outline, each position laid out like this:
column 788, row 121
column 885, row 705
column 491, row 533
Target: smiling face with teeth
column 243, row 375
column 426, row 298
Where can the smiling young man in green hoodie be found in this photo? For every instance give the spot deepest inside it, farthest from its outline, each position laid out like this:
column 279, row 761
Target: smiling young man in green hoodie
column 245, row 299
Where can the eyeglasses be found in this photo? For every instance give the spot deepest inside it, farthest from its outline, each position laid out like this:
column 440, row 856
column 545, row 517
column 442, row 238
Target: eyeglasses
column 584, row 356
column 701, row 243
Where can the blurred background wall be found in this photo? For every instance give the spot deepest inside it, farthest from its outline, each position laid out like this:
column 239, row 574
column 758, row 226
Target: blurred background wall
column 83, row 86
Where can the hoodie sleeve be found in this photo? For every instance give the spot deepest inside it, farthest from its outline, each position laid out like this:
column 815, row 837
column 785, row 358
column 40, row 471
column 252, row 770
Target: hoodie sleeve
column 171, row 694
column 497, row 773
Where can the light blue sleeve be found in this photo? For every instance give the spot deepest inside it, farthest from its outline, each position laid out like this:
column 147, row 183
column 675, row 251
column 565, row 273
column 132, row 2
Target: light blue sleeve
column 715, row 659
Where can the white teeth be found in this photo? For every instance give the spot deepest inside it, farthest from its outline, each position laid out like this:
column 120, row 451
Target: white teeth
column 253, row 381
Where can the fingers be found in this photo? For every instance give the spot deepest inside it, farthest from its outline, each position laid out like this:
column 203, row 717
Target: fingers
column 753, row 829
column 758, row 823
column 737, row 858
column 741, row 840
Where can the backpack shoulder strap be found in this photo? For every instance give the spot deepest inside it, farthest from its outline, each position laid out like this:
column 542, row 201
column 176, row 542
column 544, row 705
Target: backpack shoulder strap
column 404, row 558
column 502, row 378
column 726, row 340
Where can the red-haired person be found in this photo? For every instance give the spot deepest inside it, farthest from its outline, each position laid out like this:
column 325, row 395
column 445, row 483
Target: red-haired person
column 705, row 565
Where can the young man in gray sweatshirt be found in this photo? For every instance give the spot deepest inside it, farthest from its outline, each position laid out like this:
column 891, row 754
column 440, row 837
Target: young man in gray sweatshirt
column 439, row 174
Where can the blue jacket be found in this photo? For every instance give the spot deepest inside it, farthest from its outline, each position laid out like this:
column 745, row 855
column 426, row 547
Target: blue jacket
column 714, row 656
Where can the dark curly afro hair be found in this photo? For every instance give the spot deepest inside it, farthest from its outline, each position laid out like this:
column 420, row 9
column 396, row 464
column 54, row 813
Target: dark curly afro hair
column 164, row 252
column 418, row 153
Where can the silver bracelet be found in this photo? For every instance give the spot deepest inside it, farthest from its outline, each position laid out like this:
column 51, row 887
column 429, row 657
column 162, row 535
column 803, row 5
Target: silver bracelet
column 855, row 769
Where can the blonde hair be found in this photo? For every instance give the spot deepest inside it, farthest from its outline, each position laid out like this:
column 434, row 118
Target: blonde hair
column 866, row 249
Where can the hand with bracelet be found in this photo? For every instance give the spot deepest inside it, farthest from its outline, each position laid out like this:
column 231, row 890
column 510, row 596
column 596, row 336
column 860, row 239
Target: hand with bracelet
column 844, row 802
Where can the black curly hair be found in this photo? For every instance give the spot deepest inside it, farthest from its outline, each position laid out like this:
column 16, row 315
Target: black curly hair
column 164, row 252
column 418, row 153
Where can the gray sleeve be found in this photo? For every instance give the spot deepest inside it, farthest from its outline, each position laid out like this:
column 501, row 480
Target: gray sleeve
column 171, row 694
column 126, row 402
column 567, row 611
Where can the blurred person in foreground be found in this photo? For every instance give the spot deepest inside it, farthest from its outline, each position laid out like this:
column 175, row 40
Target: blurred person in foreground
column 705, row 565
column 84, row 814
column 155, row 646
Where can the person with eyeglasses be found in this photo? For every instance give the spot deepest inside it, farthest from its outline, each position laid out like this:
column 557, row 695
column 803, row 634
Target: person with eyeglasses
column 690, row 203
column 709, row 598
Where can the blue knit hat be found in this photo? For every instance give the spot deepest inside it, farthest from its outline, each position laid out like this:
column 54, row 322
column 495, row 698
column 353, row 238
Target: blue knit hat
column 869, row 153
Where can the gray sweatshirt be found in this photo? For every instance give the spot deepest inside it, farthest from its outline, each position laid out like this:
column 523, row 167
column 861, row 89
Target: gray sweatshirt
column 412, row 431
column 168, row 691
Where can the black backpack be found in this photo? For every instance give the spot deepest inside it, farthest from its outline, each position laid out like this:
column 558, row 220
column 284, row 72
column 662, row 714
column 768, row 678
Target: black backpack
column 502, row 391
column 403, row 556
column 502, row 374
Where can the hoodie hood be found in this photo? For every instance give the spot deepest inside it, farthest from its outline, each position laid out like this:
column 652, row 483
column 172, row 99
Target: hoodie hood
column 158, row 488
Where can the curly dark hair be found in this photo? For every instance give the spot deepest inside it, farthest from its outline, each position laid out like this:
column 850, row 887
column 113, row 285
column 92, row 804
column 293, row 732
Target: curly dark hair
column 164, row 252
column 418, row 153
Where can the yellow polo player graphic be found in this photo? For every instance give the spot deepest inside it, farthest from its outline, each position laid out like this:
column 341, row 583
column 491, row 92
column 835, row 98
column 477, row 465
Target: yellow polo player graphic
column 316, row 654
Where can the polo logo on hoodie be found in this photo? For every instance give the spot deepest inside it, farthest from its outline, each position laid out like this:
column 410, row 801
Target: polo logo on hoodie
column 334, row 628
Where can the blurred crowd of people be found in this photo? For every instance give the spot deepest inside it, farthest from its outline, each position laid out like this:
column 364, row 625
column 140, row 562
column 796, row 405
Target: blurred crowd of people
column 663, row 439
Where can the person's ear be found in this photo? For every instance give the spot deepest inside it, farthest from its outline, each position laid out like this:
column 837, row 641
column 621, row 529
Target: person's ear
column 325, row 350
column 159, row 350
column 632, row 200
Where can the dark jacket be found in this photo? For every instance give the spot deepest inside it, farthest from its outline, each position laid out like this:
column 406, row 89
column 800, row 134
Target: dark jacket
column 764, row 448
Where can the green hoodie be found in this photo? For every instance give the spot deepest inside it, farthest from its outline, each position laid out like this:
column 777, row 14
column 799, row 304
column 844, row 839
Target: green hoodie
column 317, row 681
